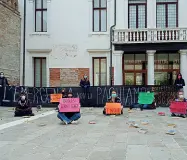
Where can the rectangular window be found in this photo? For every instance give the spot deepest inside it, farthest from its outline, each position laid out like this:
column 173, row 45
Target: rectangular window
column 134, row 69
column 99, row 15
column 40, row 15
column 167, row 13
column 99, row 71
column 167, row 65
column 40, row 76
column 137, row 14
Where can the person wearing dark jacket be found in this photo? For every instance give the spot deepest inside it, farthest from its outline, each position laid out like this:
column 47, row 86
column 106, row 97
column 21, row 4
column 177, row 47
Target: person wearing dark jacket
column 3, row 84
column 23, row 108
column 114, row 99
column 85, row 83
column 179, row 82
column 69, row 117
column 64, row 94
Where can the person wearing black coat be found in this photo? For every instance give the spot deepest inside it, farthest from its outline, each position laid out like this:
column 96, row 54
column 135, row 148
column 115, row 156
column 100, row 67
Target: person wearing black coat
column 179, row 82
column 24, row 107
column 3, row 84
column 85, row 84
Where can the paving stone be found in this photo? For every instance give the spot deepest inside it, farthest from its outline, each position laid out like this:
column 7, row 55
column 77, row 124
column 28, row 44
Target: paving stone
column 118, row 153
column 172, row 146
column 181, row 141
column 77, row 153
column 109, row 139
column 137, row 139
column 178, row 154
column 140, row 152
column 160, row 153
column 99, row 155
column 184, row 149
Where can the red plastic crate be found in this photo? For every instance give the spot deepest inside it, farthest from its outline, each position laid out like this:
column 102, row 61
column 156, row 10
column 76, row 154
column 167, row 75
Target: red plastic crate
column 178, row 107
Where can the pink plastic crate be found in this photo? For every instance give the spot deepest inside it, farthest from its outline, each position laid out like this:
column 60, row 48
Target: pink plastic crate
column 178, row 107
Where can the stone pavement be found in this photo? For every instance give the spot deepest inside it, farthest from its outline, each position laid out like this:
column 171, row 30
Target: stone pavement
column 110, row 138
column 6, row 114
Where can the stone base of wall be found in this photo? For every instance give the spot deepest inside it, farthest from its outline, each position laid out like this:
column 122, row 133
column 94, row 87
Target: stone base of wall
column 60, row 77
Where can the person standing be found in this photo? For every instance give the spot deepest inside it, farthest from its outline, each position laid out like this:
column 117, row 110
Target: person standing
column 179, row 82
column 85, row 84
column 3, row 84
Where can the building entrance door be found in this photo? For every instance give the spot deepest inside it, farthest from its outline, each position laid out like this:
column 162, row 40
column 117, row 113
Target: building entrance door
column 167, row 66
column 134, row 69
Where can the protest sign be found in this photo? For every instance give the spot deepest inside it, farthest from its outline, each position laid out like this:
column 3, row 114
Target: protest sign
column 178, row 107
column 55, row 98
column 145, row 98
column 69, row 105
column 113, row 108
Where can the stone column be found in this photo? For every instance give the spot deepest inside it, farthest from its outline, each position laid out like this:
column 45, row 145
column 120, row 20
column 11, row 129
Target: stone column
column 150, row 67
column 183, row 68
column 183, row 61
column 118, row 73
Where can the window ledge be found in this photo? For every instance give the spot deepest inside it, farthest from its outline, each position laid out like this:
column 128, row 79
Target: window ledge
column 40, row 34
column 99, row 33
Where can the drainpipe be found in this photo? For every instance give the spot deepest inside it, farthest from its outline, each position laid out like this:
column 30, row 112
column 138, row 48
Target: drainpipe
column 24, row 33
column 111, row 36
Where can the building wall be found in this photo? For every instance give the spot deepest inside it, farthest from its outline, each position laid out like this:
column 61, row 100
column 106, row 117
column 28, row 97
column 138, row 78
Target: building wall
column 10, row 27
column 67, row 41
column 69, row 44
column 67, row 76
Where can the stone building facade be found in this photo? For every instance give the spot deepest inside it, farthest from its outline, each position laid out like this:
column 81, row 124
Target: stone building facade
column 10, row 36
column 149, row 42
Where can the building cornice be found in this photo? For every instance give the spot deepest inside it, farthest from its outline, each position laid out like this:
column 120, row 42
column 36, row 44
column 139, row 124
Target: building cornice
column 39, row 50
column 98, row 50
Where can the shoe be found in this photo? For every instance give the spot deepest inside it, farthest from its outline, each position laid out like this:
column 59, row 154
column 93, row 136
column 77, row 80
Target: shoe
column 32, row 114
column 130, row 107
column 122, row 111
column 65, row 123
column 173, row 115
column 74, row 122
column 183, row 116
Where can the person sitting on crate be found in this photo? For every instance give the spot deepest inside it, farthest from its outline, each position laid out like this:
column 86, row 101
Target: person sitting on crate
column 180, row 98
column 24, row 108
column 68, row 117
column 113, row 99
column 144, row 106
column 179, row 82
